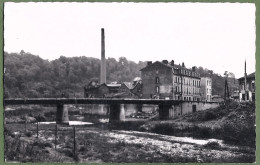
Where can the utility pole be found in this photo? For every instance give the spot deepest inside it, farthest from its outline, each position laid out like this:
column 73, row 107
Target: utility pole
column 226, row 93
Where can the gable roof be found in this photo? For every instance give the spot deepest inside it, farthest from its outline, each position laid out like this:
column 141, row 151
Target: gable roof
column 156, row 63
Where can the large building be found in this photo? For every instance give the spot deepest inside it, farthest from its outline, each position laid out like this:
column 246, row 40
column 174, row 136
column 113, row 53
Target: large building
column 206, row 89
column 166, row 80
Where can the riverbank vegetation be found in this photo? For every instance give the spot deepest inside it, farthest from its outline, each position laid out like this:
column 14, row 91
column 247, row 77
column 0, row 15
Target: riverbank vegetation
column 221, row 135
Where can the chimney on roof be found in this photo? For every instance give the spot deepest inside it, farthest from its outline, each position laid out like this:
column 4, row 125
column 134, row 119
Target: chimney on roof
column 165, row 61
column 183, row 65
column 194, row 68
column 149, row 63
column 103, row 58
column 172, row 63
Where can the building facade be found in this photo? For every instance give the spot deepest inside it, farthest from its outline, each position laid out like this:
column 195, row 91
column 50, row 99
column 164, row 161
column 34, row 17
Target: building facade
column 206, row 89
column 247, row 87
column 165, row 80
column 96, row 90
column 217, row 98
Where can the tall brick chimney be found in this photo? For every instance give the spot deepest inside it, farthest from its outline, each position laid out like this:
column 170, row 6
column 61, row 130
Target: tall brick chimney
column 103, row 58
column 245, row 76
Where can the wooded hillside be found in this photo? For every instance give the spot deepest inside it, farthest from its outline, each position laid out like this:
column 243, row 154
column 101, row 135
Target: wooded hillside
column 27, row 75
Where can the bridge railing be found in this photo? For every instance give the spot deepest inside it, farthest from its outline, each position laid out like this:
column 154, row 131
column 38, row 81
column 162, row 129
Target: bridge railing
column 55, row 101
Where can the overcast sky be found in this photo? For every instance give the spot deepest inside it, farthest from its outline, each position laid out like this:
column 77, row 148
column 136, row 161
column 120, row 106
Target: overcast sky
column 217, row 36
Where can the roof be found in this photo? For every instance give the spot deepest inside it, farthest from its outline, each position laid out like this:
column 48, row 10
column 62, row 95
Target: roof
column 106, row 85
column 137, row 79
column 252, row 75
column 168, row 66
column 156, row 63
column 129, row 85
column 114, row 85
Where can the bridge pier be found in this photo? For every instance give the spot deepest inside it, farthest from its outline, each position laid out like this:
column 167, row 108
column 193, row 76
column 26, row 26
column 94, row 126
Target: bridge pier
column 164, row 111
column 139, row 107
column 117, row 112
column 62, row 114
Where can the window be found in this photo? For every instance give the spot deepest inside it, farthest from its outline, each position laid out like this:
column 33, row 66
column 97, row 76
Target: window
column 157, row 89
column 157, row 80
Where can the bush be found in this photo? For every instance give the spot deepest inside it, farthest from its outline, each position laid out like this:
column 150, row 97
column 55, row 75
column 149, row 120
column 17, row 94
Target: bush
column 164, row 128
column 209, row 115
column 67, row 152
column 202, row 132
column 212, row 145
column 41, row 118
column 48, row 145
column 238, row 132
column 28, row 134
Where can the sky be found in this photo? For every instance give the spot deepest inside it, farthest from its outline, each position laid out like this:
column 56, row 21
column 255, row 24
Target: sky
column 217, row 36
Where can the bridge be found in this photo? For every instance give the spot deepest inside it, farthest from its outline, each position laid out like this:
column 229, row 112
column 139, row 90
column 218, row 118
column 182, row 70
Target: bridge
column 116, row 106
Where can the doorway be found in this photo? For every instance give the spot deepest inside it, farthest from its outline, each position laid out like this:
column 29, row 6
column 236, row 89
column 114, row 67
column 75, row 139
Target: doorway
column 194, row 108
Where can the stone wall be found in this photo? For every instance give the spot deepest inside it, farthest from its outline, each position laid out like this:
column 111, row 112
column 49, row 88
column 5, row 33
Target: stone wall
column 190, row 107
